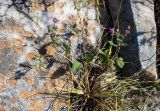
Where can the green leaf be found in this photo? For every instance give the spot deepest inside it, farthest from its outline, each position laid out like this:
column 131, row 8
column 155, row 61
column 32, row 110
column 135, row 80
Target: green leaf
column 158, row 86
column 117, row 35
column 54, row 27
column 111, row 43
column 103, row 55
column 120, row 62
column 49, row 28
column 120, row 36
column 120, row 40
column 89, row 57
column 38, row 58
column 37, row 65
column 55, row 41
column 66, row 48
column 76, row 66
column 45, row 65
column 77, row 91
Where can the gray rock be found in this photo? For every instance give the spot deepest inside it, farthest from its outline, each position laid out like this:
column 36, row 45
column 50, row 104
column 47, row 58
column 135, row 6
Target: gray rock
column 140, row 54
column 18, row 24
column 146, row 33
column 7, row 60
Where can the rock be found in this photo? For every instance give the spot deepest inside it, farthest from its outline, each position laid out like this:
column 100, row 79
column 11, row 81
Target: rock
column 22, row 31
column 146, row 34
column 146, row 103
column 2, row 80
column 21, row 25
column 2, row 108
column 50, row 51
column 140, row 54
column 14, row 100
column 9, row 52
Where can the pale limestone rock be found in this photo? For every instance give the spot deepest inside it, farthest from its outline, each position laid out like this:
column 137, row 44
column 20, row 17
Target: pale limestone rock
column 16, row 25
column 140, row 54
column 143, row 11
column 27, row 24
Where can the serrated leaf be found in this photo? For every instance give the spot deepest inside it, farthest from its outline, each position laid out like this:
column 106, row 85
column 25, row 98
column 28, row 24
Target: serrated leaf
column 120, row 62
column 111, row 43
column 76, row 66
column 89, row 57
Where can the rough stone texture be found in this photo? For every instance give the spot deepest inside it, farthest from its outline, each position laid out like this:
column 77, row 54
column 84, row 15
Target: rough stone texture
column 9, row 52
column 148, row 103
column 140, row 54
column 147, row 33
column 21, row 24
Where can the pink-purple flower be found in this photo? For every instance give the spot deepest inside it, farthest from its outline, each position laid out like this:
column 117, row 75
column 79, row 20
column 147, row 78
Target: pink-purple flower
column 55, row 20
column 111, row 31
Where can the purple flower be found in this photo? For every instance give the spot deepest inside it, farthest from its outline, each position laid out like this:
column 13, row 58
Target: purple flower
column 55, row 20
column 111, row 31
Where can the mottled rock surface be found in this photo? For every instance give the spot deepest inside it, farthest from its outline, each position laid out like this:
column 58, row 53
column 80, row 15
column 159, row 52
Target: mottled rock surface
column 22, row 31
column 146, row 34
column 138, row 15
